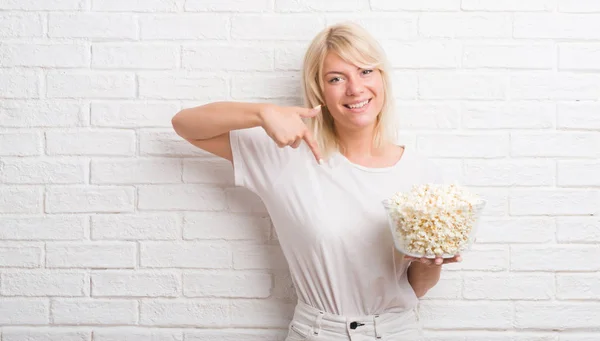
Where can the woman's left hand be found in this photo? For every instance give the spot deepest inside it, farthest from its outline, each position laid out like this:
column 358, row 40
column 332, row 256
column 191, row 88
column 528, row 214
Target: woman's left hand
column 436, row 261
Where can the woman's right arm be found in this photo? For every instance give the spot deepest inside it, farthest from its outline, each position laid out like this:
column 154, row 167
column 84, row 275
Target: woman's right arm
column 208, row 126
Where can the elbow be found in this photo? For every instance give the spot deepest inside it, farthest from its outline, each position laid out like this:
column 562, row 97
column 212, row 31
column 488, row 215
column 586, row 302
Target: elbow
column 177, row 123
column 420, row 293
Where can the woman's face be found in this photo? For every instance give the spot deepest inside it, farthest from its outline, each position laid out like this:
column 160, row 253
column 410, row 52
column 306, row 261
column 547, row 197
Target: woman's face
column 354, row 96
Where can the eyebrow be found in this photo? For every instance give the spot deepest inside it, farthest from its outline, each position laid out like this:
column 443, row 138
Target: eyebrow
column 340, row 72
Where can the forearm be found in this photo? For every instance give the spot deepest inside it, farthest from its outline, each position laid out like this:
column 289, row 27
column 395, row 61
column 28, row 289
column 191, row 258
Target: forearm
column 423, row 277
column 214, row 119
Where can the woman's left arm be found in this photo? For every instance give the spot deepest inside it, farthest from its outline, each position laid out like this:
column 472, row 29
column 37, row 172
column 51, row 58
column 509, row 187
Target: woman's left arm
column 424, row 273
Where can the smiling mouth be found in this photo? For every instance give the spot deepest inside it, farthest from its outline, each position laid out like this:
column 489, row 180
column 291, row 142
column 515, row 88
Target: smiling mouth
column 358, row 105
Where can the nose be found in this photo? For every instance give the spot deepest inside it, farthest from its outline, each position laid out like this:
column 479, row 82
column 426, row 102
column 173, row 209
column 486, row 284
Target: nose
column 354, row 87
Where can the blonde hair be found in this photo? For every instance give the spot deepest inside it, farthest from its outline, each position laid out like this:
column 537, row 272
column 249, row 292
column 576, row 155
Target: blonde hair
column 356, row 46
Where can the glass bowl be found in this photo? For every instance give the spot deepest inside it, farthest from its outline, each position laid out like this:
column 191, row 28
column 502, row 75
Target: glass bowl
column 405, row 243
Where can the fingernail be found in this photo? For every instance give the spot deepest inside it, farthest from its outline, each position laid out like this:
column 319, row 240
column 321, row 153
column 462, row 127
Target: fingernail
column 321, row 161
column 318, row 107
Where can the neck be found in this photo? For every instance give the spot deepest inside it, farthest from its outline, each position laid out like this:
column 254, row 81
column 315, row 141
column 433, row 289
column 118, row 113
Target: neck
column 358, row 143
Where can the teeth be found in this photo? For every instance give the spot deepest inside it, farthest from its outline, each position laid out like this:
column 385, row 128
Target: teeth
column 358, row 105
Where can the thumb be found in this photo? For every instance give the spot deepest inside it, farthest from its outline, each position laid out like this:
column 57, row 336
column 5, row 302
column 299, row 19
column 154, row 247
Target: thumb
column 307, row 113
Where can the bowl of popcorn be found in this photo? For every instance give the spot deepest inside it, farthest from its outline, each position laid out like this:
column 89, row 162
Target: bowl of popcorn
column 434, row 220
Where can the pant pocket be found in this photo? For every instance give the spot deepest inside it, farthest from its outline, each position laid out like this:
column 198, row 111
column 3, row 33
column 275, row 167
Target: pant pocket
column 297, row 332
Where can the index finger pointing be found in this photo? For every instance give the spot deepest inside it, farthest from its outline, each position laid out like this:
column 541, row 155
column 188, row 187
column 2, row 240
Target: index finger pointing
column 314, row 147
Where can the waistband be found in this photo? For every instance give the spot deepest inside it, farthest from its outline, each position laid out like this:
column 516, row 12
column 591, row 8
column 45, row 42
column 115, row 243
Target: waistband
column 309, row 320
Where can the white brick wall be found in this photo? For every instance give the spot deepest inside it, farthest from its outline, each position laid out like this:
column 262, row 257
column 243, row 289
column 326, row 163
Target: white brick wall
column 113, row 228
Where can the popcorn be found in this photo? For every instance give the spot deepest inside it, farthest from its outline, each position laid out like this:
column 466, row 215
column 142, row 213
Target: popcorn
column 433, row 220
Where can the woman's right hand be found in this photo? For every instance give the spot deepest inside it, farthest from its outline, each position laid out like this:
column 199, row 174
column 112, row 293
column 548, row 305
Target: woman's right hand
column 285, row 126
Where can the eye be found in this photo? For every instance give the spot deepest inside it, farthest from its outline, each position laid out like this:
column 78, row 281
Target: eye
column 367, row 71
column 335, row 79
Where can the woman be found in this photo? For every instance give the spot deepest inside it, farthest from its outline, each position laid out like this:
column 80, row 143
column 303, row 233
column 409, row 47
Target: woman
column 324, row 193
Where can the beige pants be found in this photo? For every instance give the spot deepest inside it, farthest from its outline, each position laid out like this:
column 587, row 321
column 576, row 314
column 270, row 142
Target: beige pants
column 313, row 325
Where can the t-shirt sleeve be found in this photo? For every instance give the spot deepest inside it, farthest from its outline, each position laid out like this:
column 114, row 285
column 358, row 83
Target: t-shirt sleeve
column 256, row 158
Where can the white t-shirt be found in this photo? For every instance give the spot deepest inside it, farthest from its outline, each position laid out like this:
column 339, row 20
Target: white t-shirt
column 331, row 223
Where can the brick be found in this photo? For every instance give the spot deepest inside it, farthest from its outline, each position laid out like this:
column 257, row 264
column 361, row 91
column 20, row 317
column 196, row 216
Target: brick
column 474, row 315
column 181, row 197
column 511, row 115
column 516, row 230
column 578, row 6
column 258, row 256
column 16, row 83
column 261, row 313
column 406, row 84
column 20, row 144
column 228, row 6
column 35, row 5
column 45, row 334
column 283, row 287
column 167, row 143
column 86, row 84
column 460, row 85
column 463, row 145
column 272, row 86
column 417, row 115
column 44, row 55
column 44, row 283
column 137, row 5
column 503, row 335
column 231, row 58
column 556, row 315
column 424, row 54
column 95, row 142
column 92, row 26
column 230, row 284
column 94, row 312
column 92, row 199
column 578, row 337
column 23, row 311
column 578, row 173
column 509, row 5
column 559, row 86
column 453, row 169
column 578, row 115
column 69, row 227
column 193, row 313
column 21, row 25
column 276, row 27
column 181, row 86
column 208, row 171
column 135, row 227
column 577, row 56
column 21, row 200
column 289, row 57
column 465, row 25
column 90, row 255
column 578, row 230
column 514, row 56
column 133, row 114
column 554, row 202
column 236, row 334
column 135, row 284
column 21, row 256
column 559, row 144
column 136, row 171
column 41, row 113
column 21, row 171
column 207, row 255
column 203, row 225
column 321, row 6
column 134, row 56
column 184, row 27
column 407, row 5
column 554, row 258
column 483, row 258
column 397, row 26
column 136, row 334
column 556, row 26
column 577, row 286
column 514, row 172
column 485, row 286
column 450, row 286
column 242, row 200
